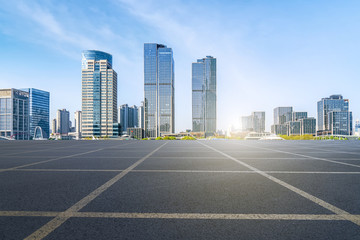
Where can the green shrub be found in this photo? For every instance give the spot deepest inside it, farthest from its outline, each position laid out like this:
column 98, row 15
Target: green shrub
column 169, row 138
column 159, row 138
column 298, row 137
column 188, row 138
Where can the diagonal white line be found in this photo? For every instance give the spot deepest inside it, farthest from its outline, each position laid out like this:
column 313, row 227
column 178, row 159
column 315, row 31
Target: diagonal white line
column 58, row 158
column 306, row 195
column 62, row 217
column 44, row 150
column 305, row 156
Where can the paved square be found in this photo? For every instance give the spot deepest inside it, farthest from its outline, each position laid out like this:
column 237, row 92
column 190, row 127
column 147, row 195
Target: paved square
column 179, row 189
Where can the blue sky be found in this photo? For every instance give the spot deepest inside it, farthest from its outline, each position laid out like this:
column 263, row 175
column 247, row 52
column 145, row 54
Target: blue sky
column 269, row 53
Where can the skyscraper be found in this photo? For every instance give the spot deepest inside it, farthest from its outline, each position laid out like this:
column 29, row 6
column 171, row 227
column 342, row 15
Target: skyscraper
column 334, row 116
column 296, row 116
column 159, row 90
column 253, row 123
column 77, row 118
column 308, row 126
column 141, row 121
column 14, row 114
column 258, row 119
column 99, row 95
column 54, row 126
column 357, row 128
column 128, row 117
column 39, row 105
column 282, row 115
column 62, row 121
column 204, row 96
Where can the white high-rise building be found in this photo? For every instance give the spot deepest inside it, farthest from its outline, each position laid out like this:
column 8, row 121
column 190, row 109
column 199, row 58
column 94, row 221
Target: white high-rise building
column 99, row 95
column 78, row 124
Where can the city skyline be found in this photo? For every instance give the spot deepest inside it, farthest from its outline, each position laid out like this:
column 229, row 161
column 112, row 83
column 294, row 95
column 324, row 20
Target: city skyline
column 263, row 54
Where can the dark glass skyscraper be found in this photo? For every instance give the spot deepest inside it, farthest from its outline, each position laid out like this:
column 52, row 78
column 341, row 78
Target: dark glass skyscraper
column 204, row 96
column 39, row 104
column 159, row 90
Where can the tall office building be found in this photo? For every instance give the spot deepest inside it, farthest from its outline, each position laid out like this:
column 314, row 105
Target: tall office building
column 296, row 116
column 77, row 117
column 282, row 115
column 39, row 104
column 204, row 96
column 128, row 117
column 340, row 123
column 134, row 113
column 334, row 117
column 246, row 124
column 293, row 128
column 258, row 121
column 308, row 126
column 53, row 126
column 62, row 122
column 357, row 128
column 141, row 121
column 14, row 114
column 254, row 123
column 99, row 95
column 159, row 90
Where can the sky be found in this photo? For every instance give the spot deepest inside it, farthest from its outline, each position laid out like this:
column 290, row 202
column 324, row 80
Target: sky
column 269, row 53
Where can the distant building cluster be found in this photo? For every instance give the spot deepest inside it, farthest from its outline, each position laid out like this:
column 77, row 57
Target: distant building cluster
column 334, row 118
column 25, row 113
column 288, row 122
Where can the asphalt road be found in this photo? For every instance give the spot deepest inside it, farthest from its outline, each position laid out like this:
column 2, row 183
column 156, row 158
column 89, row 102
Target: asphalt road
column 180, row 190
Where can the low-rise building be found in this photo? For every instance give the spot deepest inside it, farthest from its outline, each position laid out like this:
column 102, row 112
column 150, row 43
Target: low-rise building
column 135, row 132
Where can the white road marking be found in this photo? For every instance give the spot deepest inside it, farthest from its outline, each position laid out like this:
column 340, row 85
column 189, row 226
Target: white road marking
column 47, row 149
column 332, row 208
column 219, row 216
column 63, row 216
column 173, row 171
column 54, row 159
column 306, row 156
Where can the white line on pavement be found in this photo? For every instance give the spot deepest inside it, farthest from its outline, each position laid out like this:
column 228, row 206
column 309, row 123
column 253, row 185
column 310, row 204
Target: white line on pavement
column 306, row 195
column 64, row 216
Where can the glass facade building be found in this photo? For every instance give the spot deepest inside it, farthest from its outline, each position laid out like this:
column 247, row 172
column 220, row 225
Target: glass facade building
column 141, row 121
column 14, row 114
column 99, row 95
column 340, row 123
column 253, row 123
column 334, row 116
column 39, row 103
column 204, row 96
column 128, row 117
column 63, row 122
column 357, row 127
column 77, row 118
column 282, row 115
column 293, row 128
column 298, row 115
column 159, row 107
